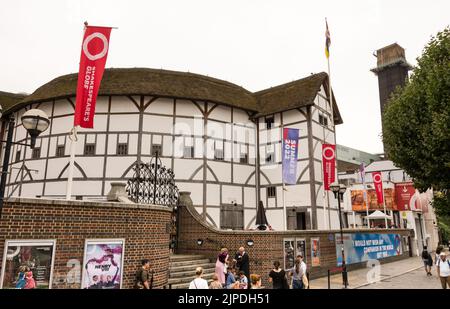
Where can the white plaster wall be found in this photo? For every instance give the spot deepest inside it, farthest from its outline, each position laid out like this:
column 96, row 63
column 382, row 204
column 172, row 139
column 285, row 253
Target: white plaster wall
column 222, row 170
column 121, row 104
column 116, row 166
column 249, row 197
column 129, row 122
column 160, row 106
column 231, row 194
column 241, row 173
column 159, row 124
column 249, row 219
column 184, row 168
column 293, row 116
column 222, row 113
column 187, row 108
column 63, row 107
column 32, row 190
column 214, row 214
column 295, row 195
column 196, row 190
column 213, row 195
column 275, row 218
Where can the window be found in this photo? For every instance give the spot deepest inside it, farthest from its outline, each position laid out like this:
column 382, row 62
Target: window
column 244, row 158
column 156, row 148
column 270, row 157
column 60, row 149
column 218, row 151
column 218, row 154
column 18, row 155
column 323, row 120
column 271, row 192
column 89, row 149
column 122, row 149
column 36, row 154
column 269, row 122
column 188, row 152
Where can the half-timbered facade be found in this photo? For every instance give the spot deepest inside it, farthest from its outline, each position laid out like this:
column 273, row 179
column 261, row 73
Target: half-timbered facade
column 222, row 141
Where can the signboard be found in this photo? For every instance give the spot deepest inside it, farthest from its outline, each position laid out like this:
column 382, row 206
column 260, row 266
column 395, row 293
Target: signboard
column 359, row 204
column 290, row 150
column 378, row 183
column 360, row 247
column 404, row 192
column 28, row 264
column 328, row 164
column 103, row 264
column 315, row 252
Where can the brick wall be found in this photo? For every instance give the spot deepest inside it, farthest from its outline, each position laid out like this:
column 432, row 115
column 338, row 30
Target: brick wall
column 144, row 228
column 268, row 245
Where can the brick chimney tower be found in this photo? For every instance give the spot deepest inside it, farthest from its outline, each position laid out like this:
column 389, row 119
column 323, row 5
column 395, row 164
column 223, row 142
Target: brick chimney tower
column 392, row 70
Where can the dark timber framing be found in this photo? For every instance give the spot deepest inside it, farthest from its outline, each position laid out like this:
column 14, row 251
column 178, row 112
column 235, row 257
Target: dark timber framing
column 312, row 176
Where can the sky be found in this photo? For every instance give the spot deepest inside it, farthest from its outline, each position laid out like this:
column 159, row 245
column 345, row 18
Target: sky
column 256, row 44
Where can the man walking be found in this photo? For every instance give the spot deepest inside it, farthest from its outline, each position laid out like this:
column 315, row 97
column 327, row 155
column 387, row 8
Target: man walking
column 144, row 276
column 443, row 267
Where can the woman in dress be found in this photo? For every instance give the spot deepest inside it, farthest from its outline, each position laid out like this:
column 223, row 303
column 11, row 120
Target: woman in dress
column 278, row 277
column 222, row 259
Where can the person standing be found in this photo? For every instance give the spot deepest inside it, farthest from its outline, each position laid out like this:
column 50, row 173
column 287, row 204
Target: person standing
column 427, row 261
column 256, row 281
column 243, row 261
column 278, row 277
column 144, row 276
column 437, row 257
column 221, row 261
column 297, row 272
column 215, row 283
column 444, row 270
column 198, row 282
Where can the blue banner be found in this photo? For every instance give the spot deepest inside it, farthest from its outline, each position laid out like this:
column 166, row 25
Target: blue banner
column 289, row 153
column 363, row 247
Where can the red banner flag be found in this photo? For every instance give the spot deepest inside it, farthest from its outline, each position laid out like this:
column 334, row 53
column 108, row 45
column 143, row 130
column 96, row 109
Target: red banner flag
column 378, row 183
column 94, row 52
column 328, row 164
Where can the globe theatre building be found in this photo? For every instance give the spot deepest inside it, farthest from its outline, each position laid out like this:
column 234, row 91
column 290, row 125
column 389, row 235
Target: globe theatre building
column 222, row 141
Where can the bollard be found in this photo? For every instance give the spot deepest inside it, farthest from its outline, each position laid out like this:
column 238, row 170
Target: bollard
column 328, row 279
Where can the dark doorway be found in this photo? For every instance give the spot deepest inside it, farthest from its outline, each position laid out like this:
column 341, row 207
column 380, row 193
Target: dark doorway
column 301, row 221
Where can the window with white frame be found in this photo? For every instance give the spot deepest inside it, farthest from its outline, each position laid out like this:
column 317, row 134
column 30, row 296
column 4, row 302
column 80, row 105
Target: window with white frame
column 270, row 154
column 218, row 151
column 188, row 151
column 323, row 119
column 243, row 158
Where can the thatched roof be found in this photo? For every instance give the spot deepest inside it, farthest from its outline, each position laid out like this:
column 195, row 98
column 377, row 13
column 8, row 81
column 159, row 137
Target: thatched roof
column 164, row 83
column 8, row 99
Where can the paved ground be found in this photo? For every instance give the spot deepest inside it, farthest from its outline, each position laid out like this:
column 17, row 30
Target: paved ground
column 385, row 272
column 416, row 279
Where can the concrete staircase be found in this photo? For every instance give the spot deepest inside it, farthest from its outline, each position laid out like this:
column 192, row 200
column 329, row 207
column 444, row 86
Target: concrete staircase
column 182, row 269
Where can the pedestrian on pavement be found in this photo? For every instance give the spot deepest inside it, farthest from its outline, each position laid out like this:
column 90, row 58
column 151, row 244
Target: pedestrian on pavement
column 198, row 282
column 243, row 261
column 221, row 263
column 437, row 257
column 231, row 279
column 444, row 270
column 144, row 276
column 427, row 261
column 278, row 277
column 297, row 272
column 215, row 284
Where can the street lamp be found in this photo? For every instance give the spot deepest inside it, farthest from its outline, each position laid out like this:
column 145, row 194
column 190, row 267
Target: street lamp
column 35, row 122
column 339, row 190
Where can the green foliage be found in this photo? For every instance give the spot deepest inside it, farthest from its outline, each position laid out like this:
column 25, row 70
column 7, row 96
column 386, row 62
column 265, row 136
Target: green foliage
column 416, row 121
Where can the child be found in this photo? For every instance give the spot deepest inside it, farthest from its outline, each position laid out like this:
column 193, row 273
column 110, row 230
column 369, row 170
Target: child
column 243, row 281
column 21, row 281
column 30, row 283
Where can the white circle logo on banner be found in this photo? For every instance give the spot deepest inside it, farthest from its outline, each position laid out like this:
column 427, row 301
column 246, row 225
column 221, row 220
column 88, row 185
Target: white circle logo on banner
column 324, row 153
column 90, row 38
column 377, row 178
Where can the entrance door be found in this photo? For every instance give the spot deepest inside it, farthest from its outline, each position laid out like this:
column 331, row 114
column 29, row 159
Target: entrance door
column 301, row 221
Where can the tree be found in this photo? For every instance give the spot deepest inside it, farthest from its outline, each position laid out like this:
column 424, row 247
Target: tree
column 416, row 122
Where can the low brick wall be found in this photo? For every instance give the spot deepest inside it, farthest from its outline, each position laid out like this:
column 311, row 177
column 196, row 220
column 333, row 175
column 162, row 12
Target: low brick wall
column 145, row 229
column 268, row 245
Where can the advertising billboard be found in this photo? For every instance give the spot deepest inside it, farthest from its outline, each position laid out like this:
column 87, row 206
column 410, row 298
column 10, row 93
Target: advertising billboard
column 358, row 203
column 361, row 247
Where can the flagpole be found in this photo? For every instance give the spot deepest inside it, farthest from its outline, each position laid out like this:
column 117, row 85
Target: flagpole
column 73, row 140
column 363, row 177
column 384, row 205
column 334, row 129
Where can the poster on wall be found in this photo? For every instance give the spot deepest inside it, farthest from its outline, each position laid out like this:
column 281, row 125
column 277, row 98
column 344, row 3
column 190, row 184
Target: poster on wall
column 315, row 252
column 289, row 253
column 103, row 264
column 28, row 264
column 300, row 248
column 360, row 247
